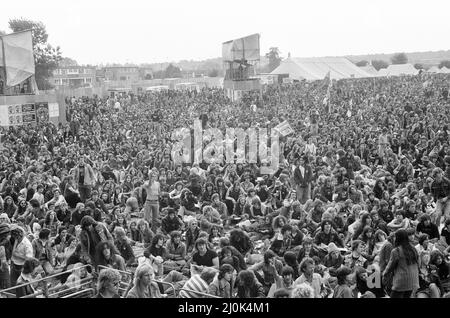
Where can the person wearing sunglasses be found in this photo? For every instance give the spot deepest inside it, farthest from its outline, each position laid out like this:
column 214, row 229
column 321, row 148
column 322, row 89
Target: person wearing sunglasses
column 108, row 284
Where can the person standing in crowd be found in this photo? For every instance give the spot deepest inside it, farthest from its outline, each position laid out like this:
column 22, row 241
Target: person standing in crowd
column 440, row 188
column 151, row 207
column 84, row 178
column 43, row 251
column 404, row 265
column 302, row 178
column 5, row 255
column 21, row 251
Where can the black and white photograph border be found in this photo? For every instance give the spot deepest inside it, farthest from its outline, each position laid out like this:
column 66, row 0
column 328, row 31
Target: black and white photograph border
column 221, row 158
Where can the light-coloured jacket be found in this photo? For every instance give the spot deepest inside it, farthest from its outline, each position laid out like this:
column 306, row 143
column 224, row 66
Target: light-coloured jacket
column 89, row 176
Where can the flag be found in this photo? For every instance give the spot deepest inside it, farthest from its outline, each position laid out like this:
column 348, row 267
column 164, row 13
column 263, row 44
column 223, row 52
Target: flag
column 16, row 55
column 326, row 100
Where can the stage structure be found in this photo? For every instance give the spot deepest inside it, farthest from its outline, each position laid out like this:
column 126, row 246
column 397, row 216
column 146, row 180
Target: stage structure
column 20, row 101
column 240, row 58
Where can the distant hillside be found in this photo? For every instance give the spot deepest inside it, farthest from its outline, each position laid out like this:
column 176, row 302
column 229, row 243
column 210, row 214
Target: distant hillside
column 426, row 58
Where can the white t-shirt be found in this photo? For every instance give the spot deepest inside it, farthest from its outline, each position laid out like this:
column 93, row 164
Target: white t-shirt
column 24, row 249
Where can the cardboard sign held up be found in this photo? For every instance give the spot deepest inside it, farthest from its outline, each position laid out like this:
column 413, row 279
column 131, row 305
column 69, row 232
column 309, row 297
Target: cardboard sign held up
column 284, row 128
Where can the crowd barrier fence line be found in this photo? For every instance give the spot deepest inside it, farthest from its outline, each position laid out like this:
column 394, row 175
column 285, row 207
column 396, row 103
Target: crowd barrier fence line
column 44, row 280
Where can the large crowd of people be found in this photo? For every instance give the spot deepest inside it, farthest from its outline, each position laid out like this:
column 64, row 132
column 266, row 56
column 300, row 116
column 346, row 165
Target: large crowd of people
column 357, row 208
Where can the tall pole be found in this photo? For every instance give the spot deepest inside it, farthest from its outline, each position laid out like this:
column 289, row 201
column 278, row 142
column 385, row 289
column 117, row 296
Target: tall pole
column 4, row 61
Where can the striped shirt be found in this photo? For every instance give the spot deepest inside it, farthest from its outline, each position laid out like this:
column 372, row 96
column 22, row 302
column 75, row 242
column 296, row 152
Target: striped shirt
column 195, row 283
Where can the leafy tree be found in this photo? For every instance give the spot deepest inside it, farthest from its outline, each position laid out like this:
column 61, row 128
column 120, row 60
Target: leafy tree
column 379, row 64
column 67, row 61
column 445, row 63
column 274, row 58
column 2, row 32
column 419, row 66
column 213, row 73
column 399, row 58
column 172, row 71
column 46, row 57
column 362, row 63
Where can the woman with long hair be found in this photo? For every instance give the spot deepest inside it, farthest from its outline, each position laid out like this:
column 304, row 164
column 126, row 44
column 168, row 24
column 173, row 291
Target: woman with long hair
column 380, row 238
column 240, row 207
column 21, row 208
column 191, row 234
column 368, row 238
column 248, row 286
column 222, row 285
column 404, row 265
column 106, row 256
column 241, row 241
column 157, row 247
column 71, row 193
column 143, row 284
column 92, row 233
column 116, row 198
column 9, row 207
column 52, row 223
column 143, row 233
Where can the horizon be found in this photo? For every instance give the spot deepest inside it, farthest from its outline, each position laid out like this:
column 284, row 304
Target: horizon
column 137, row 32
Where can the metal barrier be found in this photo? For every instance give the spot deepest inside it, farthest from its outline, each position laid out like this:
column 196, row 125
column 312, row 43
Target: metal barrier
column 170, row 286
column 44, row 281
column 60, row 292
column 125, row 286
column 87, row 293
column 198, row 293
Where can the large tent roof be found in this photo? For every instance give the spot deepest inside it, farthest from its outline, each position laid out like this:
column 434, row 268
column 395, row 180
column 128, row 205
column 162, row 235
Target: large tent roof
column 401, row 69
column 370, row 69
column 433, row 69
column 317, row 68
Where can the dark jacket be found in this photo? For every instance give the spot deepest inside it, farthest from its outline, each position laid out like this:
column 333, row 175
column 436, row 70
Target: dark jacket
column 303, row 180
column 169, row 225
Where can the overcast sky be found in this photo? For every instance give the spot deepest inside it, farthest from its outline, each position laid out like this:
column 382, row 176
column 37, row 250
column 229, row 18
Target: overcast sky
column 140, row 31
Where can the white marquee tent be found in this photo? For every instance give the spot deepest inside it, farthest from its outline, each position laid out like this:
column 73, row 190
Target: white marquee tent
column 434, row 69
column 400, row 69
column 317, row 68
column 370, row 69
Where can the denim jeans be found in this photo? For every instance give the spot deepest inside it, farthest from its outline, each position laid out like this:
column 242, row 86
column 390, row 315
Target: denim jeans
column 151, row 213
